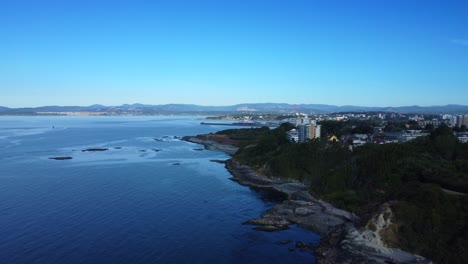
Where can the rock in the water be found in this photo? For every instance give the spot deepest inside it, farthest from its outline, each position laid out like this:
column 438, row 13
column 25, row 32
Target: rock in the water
column 95, row 149
column 176, row 164
column 117, row 147
column 300, row 244
column 272, row 228
column 199, row 149
column 284, row 242
column 61, row 158
column 266, row 221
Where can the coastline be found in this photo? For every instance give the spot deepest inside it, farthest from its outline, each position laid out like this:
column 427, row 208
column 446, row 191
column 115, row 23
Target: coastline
column 342, row 238
column 211, row 144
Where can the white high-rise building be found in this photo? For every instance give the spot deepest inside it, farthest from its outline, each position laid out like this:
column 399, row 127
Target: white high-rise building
column 464, row 120
column 302, row 120
column 453, row 120
column 308, row 132
column 317, row 131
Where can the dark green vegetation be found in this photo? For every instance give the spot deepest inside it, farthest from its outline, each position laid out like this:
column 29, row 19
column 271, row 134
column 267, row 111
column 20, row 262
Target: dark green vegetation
column 248, row 136
column 415, row 176
column 339, row 128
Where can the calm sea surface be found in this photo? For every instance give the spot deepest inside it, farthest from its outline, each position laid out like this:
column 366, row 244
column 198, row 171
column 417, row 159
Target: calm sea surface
column 142, row 201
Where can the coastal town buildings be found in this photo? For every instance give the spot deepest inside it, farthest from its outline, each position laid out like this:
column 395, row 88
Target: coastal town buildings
column 318, row 131
column 306, row 129
column 424, row 123
column 462, row 136
column 384, row 127
column 464, row 121
column 293, row 135
column 452, row 121
column 458, row 121
column 410, row 135
column 302, row 120
column 303, row 130
column 416, row 118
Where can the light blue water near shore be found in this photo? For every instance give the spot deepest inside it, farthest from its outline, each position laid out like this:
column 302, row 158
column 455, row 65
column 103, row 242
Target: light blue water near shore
column 129, row 204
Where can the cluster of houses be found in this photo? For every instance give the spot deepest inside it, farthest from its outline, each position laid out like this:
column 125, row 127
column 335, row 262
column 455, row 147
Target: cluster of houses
column 462, row 136
column 355, row 140
column 308, row 129
column 450, row 120
column 356, row 116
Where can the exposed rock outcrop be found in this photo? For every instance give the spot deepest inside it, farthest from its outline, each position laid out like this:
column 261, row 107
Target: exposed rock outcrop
column 61, row 158
column 94, row 149
column 342, row 240
column 212, row 145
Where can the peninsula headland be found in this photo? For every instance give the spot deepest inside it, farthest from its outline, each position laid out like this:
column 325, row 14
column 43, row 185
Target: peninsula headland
column 353, row 229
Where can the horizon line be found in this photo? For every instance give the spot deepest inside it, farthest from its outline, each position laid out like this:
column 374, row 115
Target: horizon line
column 228, row 105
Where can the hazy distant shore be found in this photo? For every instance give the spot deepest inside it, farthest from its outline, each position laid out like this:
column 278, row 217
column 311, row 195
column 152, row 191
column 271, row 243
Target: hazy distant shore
column 191, row 109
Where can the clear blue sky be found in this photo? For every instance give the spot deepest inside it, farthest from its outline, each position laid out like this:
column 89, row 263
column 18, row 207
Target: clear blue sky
column 222, row 52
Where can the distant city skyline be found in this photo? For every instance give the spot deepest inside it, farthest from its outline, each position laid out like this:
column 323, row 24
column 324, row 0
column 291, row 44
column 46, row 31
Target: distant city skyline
column 364, row 53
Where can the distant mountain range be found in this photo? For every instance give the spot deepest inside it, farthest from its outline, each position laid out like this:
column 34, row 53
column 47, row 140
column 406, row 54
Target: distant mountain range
column 142, row 109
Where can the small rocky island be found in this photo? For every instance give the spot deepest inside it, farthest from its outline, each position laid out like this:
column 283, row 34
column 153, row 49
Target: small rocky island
column 60, row 158
column 94, row 149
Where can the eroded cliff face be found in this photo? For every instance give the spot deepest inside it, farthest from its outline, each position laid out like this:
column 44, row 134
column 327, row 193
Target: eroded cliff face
column 376, row 242
column 379, row 232
column 386, row 226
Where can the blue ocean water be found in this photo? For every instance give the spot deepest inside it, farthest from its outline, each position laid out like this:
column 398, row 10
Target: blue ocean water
column 150, row 198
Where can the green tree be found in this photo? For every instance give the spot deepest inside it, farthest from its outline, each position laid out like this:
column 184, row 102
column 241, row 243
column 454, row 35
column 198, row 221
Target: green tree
column 444, row 142
column 429, row 127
